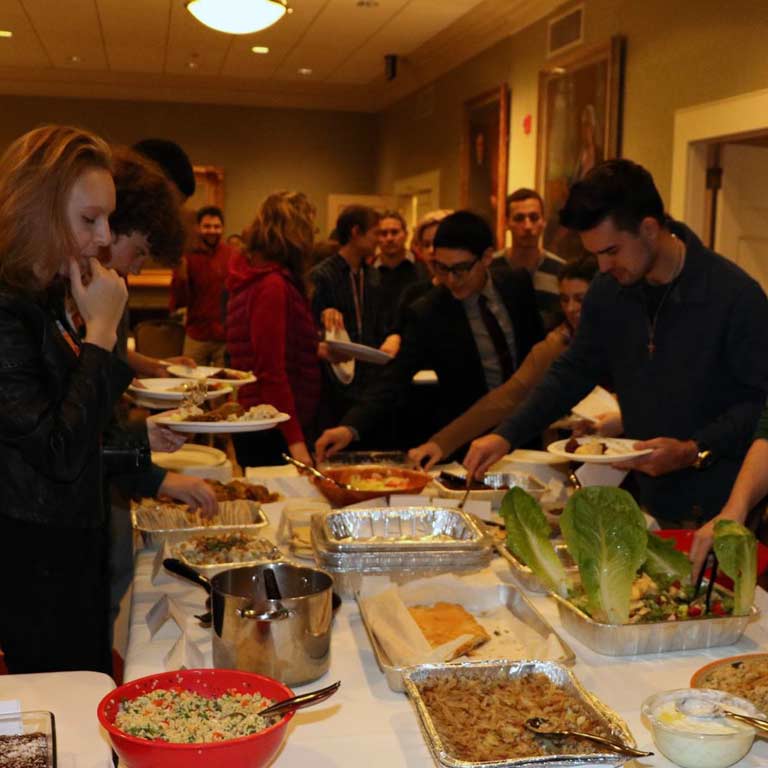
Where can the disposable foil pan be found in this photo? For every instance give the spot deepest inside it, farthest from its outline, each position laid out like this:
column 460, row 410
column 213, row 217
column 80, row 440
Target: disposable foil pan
column 653, row 637
column 493, row 671
column 509, row 595
column 263, row 551
column 526, row 577
column 384, row 529
column 158, row 522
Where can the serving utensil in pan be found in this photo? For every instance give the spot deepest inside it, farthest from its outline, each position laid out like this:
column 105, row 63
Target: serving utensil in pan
column 538, row 725
column 316, row 472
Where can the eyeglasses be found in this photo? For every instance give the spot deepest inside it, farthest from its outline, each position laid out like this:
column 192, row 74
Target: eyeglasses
column 459, row 271
column 533, row 217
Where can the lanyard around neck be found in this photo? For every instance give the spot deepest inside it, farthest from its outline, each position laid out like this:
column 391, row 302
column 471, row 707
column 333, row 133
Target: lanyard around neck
column 359, row 299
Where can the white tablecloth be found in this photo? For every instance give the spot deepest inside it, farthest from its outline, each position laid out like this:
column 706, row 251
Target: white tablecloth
column 367, row 724
column 72, row 697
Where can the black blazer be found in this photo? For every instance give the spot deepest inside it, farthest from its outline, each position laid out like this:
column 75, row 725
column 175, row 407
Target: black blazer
column 437, row 336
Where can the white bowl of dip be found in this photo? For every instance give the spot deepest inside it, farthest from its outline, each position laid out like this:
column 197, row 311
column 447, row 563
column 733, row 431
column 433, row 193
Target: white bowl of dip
column 699, row 742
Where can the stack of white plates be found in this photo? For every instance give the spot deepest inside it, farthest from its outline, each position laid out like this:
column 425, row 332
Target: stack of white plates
column 196, row 460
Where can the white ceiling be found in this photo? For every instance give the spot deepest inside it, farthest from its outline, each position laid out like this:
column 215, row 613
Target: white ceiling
column 142, row 49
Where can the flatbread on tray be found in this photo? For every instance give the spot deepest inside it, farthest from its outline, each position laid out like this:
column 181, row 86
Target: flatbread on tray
column 442, row 622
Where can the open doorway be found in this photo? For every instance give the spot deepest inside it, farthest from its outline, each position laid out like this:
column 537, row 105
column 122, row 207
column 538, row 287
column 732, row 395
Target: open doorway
column 719, row 177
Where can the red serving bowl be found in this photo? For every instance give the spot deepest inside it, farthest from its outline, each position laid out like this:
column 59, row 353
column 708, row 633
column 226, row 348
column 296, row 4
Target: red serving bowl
column 683, row 539
column 414, row 482
column 252, row 751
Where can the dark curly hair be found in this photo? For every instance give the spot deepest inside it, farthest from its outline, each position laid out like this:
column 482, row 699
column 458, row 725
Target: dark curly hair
column 146, row 204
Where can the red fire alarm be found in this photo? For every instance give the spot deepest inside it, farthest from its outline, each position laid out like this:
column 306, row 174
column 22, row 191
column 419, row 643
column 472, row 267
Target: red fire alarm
column 527, row 123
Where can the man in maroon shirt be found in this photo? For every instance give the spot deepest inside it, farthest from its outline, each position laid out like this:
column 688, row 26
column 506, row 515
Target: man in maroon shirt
column 198, row 285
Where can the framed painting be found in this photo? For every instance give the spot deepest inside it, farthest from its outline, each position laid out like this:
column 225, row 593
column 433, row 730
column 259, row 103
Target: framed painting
column 484, row 157
column 579, row 126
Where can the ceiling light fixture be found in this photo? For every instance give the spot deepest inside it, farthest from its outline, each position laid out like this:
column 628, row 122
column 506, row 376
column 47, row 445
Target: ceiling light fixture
column 75, row 60
column 260, row 49
column 238, row 17
column 6, row 33
column 305, row 71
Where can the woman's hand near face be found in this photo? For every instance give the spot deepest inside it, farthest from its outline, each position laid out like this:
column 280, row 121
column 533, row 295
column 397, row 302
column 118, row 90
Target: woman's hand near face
column 101, row 303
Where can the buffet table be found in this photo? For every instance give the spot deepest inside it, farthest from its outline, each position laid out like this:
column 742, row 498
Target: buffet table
column 366, row 722
column 72, row 697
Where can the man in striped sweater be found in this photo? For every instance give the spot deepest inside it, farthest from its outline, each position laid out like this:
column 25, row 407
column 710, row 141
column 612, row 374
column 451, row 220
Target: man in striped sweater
column 526, row 222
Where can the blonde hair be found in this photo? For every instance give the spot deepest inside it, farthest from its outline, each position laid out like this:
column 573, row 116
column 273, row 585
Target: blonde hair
column 283, row 230
column 37, row 173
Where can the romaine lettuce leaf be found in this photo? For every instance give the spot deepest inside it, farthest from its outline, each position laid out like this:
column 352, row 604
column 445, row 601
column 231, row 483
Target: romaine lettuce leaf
column 528, row 536
column 662, row 560
column 606, row 535
column 736, row 550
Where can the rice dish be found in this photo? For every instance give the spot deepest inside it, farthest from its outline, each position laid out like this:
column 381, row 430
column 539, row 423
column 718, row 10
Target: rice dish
column 184, row 717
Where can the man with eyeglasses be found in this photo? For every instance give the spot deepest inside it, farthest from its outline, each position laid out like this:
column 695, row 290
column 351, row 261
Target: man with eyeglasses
column 473, row 329
column 526, row 222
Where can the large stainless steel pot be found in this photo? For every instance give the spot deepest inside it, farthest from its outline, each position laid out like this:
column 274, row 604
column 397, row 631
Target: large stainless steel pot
column 286, row 637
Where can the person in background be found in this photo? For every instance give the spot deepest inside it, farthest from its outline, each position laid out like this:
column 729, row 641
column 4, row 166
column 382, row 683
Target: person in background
column 471, row 329
column 271, row 331
column 236, row 242
column 677, row 329
column 749, row 489
column 486, row 413
column 424, row 235
column 526, row 222
column 173, row 161
column 397, row 273
column 57, row 393
column 199, row 284
column 346, row 297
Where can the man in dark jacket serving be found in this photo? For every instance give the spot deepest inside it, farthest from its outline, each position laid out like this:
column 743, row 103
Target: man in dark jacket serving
column 680, row 330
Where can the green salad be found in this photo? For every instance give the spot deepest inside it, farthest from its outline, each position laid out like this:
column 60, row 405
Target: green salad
column 627, row 575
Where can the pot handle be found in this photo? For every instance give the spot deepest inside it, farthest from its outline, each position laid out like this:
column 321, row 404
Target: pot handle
column 174, row 565
column 279, row 615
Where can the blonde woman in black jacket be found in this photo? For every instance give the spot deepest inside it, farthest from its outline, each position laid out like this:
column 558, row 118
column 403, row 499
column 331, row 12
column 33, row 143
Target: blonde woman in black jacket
column 56, row 397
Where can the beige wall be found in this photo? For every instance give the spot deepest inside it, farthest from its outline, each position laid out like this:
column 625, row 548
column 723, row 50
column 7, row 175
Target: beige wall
column 679, row 53
column 259, row 149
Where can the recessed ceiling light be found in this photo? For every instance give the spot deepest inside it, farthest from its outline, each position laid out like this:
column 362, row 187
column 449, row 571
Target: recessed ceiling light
column 367, row 3
column 192, row 64
column 6, row 33
column 260, row 49
column 305, row 71
column 75, row 60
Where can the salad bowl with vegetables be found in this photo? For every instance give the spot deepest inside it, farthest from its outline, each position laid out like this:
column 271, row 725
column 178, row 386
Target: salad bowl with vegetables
column 633, row 593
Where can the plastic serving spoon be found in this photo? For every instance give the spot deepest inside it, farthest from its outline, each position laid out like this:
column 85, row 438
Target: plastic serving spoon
column 316, row 472
column 537, row 725
column 708, row 710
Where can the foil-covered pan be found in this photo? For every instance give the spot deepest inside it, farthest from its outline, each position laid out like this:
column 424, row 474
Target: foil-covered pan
column 492, row 671
column 158, row 522
column 524, row 576
column 653, row 637
column 393, row 529
column 260, row 551
column 493, row 488
column 517, row 604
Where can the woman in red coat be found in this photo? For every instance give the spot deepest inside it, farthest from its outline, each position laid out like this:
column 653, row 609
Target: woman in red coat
column 270, row 329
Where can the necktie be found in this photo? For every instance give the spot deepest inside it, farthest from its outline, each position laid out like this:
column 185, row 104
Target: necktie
column 497, row 337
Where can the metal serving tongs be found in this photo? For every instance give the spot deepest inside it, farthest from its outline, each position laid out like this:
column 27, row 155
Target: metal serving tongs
column 301, row 701
column 315, row 472
column 710, row 562
column 538, row 724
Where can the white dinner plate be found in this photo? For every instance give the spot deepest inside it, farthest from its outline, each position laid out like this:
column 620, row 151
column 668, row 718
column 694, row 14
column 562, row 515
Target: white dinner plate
column 206, row 371
column 190, row 456
column 222, row 427
column 158, row 389
column 617, row 449
column 360, row 352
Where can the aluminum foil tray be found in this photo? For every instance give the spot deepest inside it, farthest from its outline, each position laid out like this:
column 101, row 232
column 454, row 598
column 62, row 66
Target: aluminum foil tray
column 264, row 551
column 518, row 605
column 158, row 522
column 386, row 529
column 492, row 671
column 654, row 637
column 526, row 577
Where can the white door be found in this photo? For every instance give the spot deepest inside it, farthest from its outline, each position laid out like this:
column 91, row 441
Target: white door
column 742, row 215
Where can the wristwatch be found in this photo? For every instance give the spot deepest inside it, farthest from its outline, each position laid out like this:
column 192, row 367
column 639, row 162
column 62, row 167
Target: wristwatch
column 704, row 457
